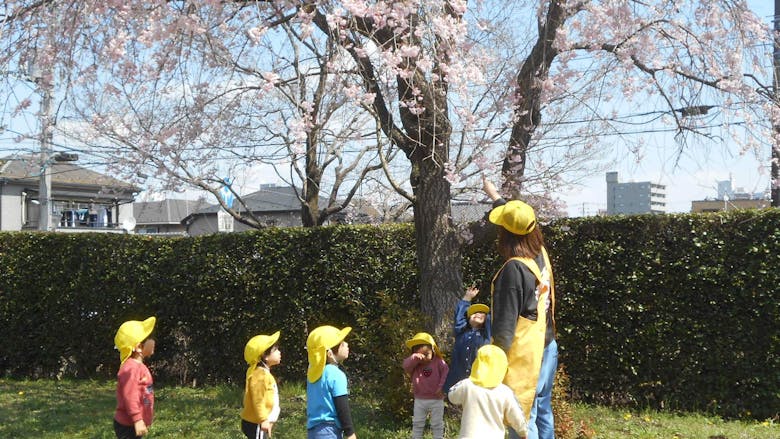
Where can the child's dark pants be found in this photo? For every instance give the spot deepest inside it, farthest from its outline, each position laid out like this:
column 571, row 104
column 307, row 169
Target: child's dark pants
column 124, row 432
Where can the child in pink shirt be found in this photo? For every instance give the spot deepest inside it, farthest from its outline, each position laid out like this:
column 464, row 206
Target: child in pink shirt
column 428, row 371
column 134, row 388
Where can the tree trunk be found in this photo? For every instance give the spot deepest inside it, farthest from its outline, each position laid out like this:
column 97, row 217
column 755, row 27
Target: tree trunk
column 438, row 250
column 533, row 72
column 310, row 210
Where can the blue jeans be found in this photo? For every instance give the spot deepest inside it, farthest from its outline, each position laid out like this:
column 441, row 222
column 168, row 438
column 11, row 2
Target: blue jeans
column 326, row 430
column 541, row 425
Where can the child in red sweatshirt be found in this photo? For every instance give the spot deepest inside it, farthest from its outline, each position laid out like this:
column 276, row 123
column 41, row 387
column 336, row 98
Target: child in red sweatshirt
column 428, row 371
column 134, row 388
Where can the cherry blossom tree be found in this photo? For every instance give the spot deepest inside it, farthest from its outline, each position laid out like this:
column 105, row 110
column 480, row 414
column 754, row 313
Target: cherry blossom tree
column 206, row 104
column 527, row 89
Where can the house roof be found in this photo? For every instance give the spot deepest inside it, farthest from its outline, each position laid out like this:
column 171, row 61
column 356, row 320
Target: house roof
column 470, row 212
column 269, row 198
column 27, row 167
column 168, row 211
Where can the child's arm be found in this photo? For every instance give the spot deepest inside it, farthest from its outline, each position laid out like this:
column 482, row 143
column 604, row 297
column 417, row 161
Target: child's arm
column 457, row 393
column 130, row 393
column 513, row 414
column 460, row 322
column 471, row 293
column 411, row 362
column 443, row 370
column 345, row 416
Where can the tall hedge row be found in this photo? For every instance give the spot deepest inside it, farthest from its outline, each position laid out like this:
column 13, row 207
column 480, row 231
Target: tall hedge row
column 676, row 311
column 63, row 296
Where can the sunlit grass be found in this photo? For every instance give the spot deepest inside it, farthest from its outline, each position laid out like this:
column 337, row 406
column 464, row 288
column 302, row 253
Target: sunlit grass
column 84, row 409
column 607, row 423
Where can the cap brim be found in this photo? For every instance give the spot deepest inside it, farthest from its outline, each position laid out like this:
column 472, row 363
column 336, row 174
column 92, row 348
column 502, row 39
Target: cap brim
column 477, row 307
column 148, row 326
column 416, row 341
column 274, row 338
column 343, row 333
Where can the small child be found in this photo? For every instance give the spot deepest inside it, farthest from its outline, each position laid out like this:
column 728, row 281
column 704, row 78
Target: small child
column 428, row 371
column 134, row 388
column 327, row 396
column 472, row 331
column 261, row 395
column 488, row 405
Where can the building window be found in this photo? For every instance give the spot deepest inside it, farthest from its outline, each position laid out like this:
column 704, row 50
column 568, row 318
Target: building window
column 82, row 214
column 224, row 221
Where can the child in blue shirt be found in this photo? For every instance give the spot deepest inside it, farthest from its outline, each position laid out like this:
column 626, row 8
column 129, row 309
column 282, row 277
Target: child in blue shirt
column 327, row 396
column 472, row 331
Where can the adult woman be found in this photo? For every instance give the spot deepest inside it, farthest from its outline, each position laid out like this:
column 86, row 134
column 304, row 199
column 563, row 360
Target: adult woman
column 523, row 307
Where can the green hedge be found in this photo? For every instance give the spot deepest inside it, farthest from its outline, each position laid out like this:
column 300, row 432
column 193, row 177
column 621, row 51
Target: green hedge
column 675, row 311
column 62, row 296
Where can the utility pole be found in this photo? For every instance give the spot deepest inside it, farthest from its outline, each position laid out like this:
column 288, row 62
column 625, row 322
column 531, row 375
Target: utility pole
column 775, row 179
column 38, row 74
column 44, row 191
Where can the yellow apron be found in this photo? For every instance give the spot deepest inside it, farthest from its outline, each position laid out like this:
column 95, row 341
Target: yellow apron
column 525, row 353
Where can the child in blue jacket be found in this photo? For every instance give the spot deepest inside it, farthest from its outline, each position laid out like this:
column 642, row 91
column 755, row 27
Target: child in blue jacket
column 472, row 331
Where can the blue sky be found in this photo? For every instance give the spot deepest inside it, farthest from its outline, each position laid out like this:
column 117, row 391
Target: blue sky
column 693, row 177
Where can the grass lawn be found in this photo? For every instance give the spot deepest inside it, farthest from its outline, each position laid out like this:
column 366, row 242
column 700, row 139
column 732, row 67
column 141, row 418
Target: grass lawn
column 83, row 409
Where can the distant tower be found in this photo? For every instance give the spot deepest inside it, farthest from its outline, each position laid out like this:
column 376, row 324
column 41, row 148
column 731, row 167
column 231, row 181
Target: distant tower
column 612, row 182
column 725, row 189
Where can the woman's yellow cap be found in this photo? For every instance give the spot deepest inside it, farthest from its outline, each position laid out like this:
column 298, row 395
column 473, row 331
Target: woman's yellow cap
column 515, row 216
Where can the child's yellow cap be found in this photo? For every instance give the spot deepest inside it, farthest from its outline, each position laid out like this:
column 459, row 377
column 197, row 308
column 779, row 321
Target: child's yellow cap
column 317, row 344
column 131, row 333
column 490, row 367
column 423, row 338
column 477, row 307
column 257, row 345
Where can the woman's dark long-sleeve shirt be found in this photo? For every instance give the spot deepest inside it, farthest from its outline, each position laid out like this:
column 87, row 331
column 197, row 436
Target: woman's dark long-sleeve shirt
column 514, row 296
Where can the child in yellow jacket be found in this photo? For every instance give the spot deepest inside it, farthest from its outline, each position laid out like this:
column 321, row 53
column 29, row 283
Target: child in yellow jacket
column 261, row 395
